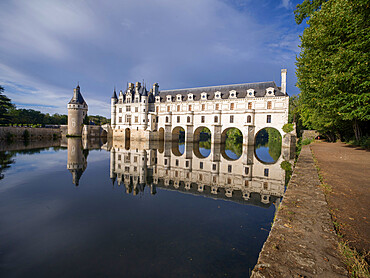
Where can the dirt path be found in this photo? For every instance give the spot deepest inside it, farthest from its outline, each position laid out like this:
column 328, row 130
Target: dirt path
column 347, row 171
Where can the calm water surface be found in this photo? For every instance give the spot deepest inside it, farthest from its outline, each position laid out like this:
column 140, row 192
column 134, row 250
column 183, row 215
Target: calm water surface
column 134, row 212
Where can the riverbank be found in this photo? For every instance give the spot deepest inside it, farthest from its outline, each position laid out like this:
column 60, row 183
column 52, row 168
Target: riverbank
column 11, row 133
column 302, row 241
column 345, row 172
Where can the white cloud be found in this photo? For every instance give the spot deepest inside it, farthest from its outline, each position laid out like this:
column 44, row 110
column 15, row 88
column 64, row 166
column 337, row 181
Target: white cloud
column 47, row 46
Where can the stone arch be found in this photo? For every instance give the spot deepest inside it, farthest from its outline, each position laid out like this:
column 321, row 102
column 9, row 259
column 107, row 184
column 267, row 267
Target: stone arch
column 236, row 152
column 178, row 140
column 273, row 144
column 198, row 139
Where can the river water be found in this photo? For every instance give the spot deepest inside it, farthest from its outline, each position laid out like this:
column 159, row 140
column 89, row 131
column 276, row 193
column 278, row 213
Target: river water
column 88, row 209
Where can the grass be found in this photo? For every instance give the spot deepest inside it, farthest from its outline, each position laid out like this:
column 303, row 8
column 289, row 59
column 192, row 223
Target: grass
column 356, row 263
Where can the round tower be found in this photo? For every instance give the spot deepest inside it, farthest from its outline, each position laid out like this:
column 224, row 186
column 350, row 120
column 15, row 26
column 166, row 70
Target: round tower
column 113, row 109
column 77, row 111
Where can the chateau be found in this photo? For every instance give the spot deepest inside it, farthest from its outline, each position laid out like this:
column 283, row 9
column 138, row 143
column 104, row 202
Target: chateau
column 155, row 115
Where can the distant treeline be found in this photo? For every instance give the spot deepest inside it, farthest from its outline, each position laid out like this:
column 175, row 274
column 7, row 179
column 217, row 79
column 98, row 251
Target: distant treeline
column 10, row 115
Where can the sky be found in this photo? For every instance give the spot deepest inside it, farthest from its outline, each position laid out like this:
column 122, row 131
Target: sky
column 47, row 47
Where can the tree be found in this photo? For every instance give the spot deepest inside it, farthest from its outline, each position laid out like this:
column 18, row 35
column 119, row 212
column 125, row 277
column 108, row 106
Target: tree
column 332, row 68
column 5, row 106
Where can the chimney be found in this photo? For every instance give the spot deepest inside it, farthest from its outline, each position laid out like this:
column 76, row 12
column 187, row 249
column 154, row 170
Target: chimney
column 283, row 81
column 155, row 88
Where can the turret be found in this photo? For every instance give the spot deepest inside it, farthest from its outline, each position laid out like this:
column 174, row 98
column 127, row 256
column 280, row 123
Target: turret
column 113, row 110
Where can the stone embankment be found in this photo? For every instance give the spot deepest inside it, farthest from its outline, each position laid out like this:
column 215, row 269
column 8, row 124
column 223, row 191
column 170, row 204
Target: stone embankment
column 31, row 145
column 302, row 241
column 10, row 133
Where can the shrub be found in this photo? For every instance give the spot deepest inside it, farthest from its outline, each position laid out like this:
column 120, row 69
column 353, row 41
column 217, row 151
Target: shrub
column 285, row 165
column 288, row 128
column 307, row 141
column 26, row 135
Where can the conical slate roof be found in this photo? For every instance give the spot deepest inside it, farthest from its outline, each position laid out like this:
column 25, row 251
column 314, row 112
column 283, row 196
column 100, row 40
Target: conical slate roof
column 77, row 97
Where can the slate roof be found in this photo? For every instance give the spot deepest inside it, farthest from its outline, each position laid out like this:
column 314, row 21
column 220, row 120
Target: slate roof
column 241, row 91
column 77, row 97
column 114, row 94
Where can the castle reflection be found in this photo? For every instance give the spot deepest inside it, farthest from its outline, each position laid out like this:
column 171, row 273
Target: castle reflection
column 137, row 165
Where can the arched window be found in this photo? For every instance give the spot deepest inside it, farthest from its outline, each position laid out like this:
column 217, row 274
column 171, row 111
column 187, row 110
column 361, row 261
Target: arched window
column 188, row 120
column 249, row 119
column 166, row 119
column 216, row 119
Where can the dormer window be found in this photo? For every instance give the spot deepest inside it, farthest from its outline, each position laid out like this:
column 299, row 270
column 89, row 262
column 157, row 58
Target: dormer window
column 270, row 91
column 190, row 97
column 157, row 98
column 178, row 98
column 250, row 93
column 203, row 96
column 217, row 95
column 169, row 98
column 232, row 94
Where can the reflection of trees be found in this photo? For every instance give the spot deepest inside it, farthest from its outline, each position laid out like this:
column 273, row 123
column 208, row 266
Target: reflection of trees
column 205, row 144
column 234, row 141
column 5, row 162
column 271, row 138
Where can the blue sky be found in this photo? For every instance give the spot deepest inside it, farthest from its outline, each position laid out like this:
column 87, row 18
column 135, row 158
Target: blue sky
column 48, row 46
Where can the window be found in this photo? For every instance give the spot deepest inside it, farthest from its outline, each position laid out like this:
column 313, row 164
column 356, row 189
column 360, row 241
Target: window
column 157, row 109
column 229, row 180
column 214, row 166
column 189, row 107
column 216, row 119
column 178, row 108
column 177, row 162
column 268, row 119
column 157, row 119
column 202, row 119
column 269, row 105
column 200, row 177
column 166, row 119
column 214, row 179
column 246, row 183
column 168, row 108
column 188, row 119
column 246, row 170
column 249, row 105
column 249, row 119
column 265, row 185
column 232, row 105
column 203, row 107
column 229, row 168
column 119, row 157
column 135, row 169
column 187, row 164
column 128, row 108
column 165, row 162
column 128, row 119
column 187, row 175
column 136, row 119
column 120, row 110
column 120, row 119
column 176, row 174
column 136, row 109
column 217, row 106
column 231, row 119
column 266, row 172
column 178, row 119
column 201, row 165
column 135, row 158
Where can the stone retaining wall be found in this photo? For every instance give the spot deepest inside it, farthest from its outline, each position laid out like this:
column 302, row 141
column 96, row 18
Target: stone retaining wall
column 17, row 133
column 309, row 134
column 302, row 241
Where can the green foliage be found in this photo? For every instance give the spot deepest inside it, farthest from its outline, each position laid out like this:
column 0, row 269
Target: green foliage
column 306, row 9
column 5, row 106
column 288, row 128
column 307, row 141
column 271, row 138
column 234, row 141
column 332, row 68
column 86, row 120
column 98, row 120
column 286, row 165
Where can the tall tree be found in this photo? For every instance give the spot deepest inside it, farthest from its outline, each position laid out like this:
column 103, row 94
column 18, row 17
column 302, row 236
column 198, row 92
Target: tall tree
column 5, row 106
column 332, row 68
